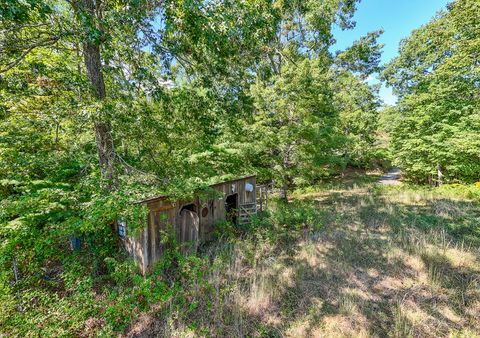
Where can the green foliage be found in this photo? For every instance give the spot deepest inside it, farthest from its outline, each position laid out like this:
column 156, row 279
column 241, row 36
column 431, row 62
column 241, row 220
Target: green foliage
column 196, row 92
column 308, row 106
column 435, row 125
column 294, row 122
column 358, row 105
column 363, row 56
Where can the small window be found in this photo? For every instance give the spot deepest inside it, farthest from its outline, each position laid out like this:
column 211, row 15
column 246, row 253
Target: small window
column 122, row 228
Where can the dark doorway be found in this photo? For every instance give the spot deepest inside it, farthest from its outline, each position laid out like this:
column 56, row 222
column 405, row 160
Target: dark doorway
column 231, row 208
column 191, row 207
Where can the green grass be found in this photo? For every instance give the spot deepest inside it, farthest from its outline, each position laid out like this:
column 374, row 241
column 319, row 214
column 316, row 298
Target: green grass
column 351, row 260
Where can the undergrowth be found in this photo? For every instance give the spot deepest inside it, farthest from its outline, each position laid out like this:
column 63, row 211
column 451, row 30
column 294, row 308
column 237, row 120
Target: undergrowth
column 362, row 261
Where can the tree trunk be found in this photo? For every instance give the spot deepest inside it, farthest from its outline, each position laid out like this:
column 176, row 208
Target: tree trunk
column 106, row 151
column 439, row 175
column 286, row 178
column 93, row 65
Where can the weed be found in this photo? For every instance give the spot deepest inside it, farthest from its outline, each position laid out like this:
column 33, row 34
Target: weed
column 402, row 326
column 329, row 263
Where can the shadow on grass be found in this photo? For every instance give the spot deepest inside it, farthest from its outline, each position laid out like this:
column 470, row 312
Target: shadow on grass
column 362, row 246
column 373, row 270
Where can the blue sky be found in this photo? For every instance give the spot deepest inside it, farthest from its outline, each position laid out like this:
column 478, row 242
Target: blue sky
column 397, row 17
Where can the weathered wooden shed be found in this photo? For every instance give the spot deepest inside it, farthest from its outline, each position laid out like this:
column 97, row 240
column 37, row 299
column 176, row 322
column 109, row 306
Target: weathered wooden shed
column 193, row 221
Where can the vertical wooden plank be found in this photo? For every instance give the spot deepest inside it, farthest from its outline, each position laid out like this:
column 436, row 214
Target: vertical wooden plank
column 145, row 249
column 152, row 237
column 211, row 218
column 161, row 223
column 185, row 230
column 188, row 221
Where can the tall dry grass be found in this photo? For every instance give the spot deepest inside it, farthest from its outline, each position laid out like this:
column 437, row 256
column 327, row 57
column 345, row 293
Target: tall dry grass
column 369, row 262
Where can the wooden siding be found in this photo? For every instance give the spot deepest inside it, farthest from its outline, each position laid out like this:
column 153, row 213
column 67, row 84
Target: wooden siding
column 194, row 226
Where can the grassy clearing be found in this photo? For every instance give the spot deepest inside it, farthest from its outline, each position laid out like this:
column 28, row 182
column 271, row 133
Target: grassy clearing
column 362, row 261
column 353, row 259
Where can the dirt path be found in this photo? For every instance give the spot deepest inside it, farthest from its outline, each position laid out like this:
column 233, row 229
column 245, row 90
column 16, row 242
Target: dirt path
column 391, row 178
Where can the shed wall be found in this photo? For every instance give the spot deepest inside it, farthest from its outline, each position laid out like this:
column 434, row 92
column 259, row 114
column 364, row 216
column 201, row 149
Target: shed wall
column 146, row 247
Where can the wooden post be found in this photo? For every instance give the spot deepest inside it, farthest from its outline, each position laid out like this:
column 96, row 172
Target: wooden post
column 260, row 197
column 266, row 197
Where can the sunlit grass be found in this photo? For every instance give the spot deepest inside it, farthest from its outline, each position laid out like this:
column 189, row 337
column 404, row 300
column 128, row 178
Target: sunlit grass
column 366, row 261
column 356, row 260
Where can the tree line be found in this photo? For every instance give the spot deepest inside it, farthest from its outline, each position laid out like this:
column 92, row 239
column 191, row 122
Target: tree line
column 435, row 126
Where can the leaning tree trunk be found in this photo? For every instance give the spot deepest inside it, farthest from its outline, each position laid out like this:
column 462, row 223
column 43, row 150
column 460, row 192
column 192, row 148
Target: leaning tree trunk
column 93, row 64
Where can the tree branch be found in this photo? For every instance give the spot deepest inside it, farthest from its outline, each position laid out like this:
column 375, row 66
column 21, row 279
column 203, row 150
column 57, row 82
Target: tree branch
column 27, row 51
